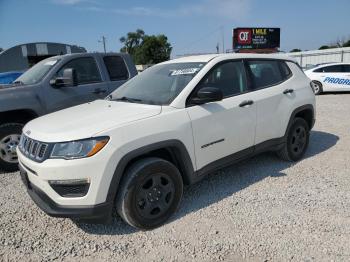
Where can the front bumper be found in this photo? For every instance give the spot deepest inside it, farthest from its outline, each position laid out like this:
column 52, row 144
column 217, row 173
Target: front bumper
column 95, row 213
column 93, row 204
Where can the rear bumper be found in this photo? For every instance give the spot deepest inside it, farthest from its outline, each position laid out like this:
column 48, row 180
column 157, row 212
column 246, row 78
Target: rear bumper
column 100, row 213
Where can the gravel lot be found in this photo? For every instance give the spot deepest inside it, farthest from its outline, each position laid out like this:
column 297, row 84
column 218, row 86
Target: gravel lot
column 259, row 210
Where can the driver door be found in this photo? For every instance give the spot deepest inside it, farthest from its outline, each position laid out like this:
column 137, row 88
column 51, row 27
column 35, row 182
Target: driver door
column 225, row 127
column 89, row 87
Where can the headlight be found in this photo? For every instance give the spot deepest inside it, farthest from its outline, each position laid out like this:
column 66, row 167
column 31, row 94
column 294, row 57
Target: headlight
column 78, row 149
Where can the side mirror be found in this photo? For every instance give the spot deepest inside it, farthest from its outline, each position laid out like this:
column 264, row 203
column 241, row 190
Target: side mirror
column 206, row 95
column 69, row 78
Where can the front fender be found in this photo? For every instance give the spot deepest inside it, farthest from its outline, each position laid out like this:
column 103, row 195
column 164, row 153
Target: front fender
column 19, row 98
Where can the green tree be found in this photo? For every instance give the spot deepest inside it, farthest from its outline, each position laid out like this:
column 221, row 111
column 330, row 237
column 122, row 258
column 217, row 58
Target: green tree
column 153, row 50
column 295, row 50
column 346, row 44
column 131, row 41
column 324, row 47
column 146, row 49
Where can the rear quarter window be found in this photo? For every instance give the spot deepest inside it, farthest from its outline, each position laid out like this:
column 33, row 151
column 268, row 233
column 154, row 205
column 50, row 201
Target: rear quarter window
column 285, row 70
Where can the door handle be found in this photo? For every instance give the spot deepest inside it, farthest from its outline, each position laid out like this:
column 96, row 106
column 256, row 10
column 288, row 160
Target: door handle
column 246, row 103
column 288, row 91
column 99, row 91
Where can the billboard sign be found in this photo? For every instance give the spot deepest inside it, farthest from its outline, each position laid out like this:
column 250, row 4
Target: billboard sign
column 256, row 38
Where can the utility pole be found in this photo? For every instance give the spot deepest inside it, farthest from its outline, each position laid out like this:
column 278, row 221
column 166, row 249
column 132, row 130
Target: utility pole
column 103, row 41
column 223, row 39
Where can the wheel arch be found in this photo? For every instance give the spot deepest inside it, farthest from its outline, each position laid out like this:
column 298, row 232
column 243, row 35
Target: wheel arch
column 21, row 116
column 173, row 151
column 306, row 112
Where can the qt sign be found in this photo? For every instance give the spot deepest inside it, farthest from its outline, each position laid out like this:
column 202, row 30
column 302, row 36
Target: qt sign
column 244, row 37
column 256, row 38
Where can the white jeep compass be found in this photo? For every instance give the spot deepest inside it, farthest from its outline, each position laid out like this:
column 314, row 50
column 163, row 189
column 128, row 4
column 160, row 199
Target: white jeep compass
column 171, row 125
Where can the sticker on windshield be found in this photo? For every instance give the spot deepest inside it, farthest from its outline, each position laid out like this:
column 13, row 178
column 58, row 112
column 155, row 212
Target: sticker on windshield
column 50, row 63
column 186, row 71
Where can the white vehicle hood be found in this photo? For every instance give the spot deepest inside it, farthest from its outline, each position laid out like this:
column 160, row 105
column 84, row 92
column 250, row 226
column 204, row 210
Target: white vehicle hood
column 86, row 120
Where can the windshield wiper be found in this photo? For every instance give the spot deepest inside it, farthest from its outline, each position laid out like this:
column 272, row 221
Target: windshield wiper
column 127, row 99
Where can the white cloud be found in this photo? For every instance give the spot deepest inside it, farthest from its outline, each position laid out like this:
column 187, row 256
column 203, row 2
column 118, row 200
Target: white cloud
column 233, row 9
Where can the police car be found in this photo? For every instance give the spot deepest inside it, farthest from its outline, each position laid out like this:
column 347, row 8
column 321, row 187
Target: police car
column 332, row 77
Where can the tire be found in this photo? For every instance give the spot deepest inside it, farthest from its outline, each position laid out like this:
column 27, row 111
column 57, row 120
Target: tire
column 317, row 87
column 9, row 138
column 150, row 192
column 297, row 141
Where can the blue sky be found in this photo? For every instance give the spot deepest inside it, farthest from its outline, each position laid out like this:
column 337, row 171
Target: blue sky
column 191, row 26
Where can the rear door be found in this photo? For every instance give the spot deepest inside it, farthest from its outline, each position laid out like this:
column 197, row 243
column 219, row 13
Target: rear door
column 270, row 80
column 117, row 71
column 90, row 85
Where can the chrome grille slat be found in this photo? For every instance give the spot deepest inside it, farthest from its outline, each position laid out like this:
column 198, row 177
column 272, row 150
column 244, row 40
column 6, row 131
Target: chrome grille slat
column 33, row 149
column 42, row 151
column 29, row 145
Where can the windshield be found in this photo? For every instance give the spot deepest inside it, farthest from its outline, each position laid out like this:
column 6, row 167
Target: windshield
column 37, row 72
column 158, row 85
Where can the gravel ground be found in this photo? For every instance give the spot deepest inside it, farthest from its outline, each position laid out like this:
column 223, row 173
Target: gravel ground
column 259, row 210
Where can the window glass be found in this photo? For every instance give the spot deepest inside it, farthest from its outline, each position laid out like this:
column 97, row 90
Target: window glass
column 318, row 70
column 330, row 69
column 265, row 73
column 285, row 71
column 159, row 84
column 346, row 68
column 230, row 77
column 86, row 69
column 37, row 72
column 116, row 68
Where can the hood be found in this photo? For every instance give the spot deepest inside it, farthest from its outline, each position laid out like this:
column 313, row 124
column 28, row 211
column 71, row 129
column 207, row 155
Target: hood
column 86, row 120
column 5, row 86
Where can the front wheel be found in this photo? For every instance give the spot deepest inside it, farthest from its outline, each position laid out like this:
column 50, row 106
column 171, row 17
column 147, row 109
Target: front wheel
column 150, row 193
column 297, row 141
column 10, row 135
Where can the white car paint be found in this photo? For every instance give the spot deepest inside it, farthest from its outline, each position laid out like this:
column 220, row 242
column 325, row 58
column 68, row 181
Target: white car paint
column 332, row 80
column 131, row 126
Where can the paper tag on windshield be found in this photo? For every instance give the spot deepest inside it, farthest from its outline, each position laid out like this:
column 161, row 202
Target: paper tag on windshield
column 50, row 63
column 186, row 71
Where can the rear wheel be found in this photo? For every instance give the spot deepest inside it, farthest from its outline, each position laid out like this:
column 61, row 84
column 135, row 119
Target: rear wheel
column 150, row 193
column 297, row 141
column 10, row 135
column 317, row 87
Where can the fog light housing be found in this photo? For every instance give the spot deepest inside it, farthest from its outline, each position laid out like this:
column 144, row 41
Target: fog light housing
column 71, row 187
